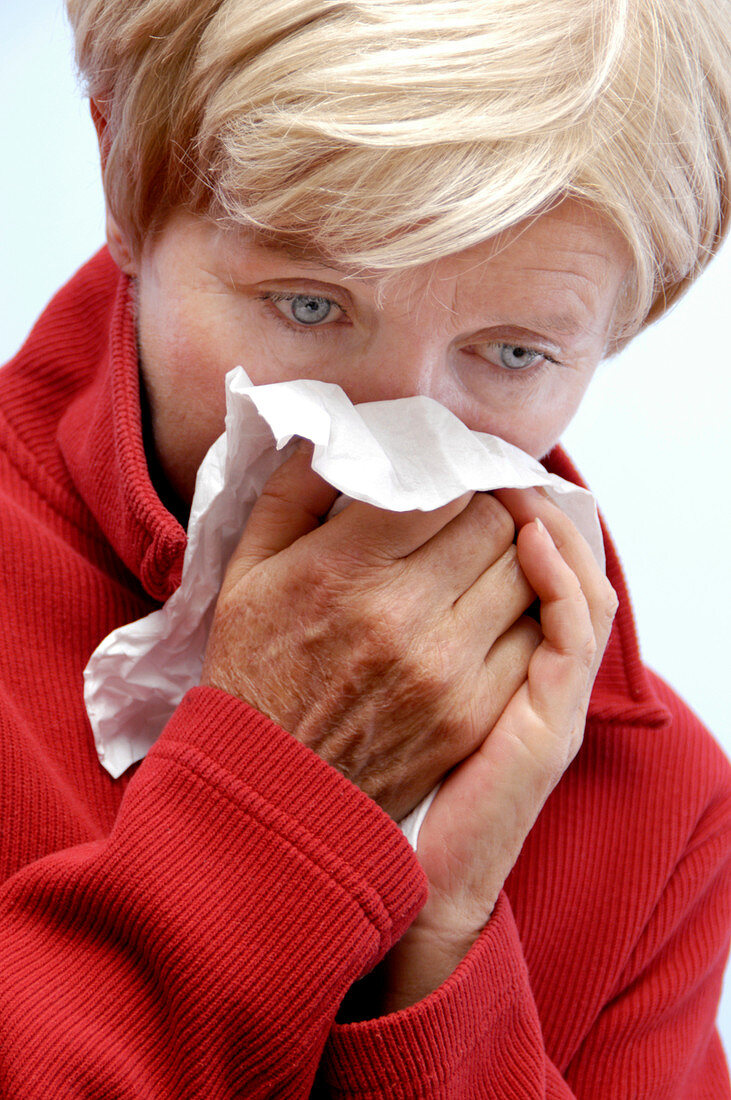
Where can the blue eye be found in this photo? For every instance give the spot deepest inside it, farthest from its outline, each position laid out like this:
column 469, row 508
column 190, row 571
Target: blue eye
column 515, row 357
column 305, row 309
column 309, row 310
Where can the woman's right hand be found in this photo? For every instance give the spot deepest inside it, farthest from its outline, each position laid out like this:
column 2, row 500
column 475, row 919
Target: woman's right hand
column 389, row 643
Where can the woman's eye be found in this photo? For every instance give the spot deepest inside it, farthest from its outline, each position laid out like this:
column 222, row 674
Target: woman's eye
column 515, row 357
column 306, row 309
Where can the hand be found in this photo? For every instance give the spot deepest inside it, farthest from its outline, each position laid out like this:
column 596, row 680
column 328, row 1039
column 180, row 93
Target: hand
column 388, row 643
column 476, row 826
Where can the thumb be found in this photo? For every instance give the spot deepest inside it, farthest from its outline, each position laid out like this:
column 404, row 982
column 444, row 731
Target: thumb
column 293, row 502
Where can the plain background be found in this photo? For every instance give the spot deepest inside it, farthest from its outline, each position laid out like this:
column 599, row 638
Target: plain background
column 652, row 438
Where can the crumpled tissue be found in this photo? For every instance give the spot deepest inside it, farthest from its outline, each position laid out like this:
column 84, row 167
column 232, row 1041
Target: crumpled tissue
column 404, row 454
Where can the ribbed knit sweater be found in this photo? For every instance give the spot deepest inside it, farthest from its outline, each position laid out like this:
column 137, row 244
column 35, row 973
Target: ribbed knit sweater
column 191, row 930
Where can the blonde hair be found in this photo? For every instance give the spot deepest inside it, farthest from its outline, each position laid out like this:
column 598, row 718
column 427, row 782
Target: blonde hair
column 382, row 134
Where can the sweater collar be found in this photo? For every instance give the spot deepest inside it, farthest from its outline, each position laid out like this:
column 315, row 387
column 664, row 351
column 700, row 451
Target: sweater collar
column 101, row 439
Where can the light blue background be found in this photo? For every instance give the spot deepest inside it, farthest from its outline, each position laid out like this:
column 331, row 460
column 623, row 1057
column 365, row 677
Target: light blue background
column 652, row 438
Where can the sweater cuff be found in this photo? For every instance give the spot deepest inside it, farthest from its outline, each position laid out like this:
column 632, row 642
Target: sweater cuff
column 446, row 1044
column 244, row 754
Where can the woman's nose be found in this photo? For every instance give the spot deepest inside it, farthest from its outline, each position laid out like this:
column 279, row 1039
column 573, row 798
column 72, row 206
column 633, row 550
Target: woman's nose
column 405, row 369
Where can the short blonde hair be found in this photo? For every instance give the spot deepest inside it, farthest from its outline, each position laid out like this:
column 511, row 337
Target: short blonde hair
column 382, row 134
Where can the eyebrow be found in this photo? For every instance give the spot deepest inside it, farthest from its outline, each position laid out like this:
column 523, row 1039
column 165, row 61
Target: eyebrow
column 566, row 324
column 301, row 259
column 299, row 256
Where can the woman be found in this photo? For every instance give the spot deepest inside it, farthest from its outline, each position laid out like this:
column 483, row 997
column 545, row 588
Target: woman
column 448, row 217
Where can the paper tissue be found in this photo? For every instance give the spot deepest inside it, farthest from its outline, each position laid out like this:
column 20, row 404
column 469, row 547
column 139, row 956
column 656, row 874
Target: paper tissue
column 405, row 454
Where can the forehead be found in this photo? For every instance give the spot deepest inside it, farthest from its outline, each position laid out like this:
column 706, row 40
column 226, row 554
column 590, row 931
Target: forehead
column 570, row 259
column 562, row 270
column 570, row 239
column 568, row 236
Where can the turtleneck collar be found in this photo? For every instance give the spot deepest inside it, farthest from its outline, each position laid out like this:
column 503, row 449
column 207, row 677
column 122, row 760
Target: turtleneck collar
column 101, row 439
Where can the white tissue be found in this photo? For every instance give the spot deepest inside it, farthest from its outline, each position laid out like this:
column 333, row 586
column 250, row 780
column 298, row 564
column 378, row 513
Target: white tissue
column 407, row 454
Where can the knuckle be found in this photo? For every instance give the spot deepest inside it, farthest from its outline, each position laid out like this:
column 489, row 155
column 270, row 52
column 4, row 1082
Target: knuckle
column 574, row 588
column 610, row 601
column 496, row 517
column 319, row 572
column 512, row 570
column 503, row 524
column 576, row 603
column 575, row 742
column 587, row 650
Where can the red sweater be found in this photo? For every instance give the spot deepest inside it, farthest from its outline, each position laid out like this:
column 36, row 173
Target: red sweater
column 192, row 930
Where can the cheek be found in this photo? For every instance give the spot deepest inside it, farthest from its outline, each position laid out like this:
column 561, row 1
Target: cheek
column 272, row 356
column 191, row 344
column 529, row 414
column 183, row 367
column 235, row 334
column 557, row 409
column 549, row 417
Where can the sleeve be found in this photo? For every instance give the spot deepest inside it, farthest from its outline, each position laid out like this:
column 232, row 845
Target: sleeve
column 479, row 1035
column 657, row 1037
column 202, row 950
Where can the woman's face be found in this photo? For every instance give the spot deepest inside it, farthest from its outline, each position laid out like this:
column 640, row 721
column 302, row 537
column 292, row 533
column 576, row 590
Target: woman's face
column 506, row 334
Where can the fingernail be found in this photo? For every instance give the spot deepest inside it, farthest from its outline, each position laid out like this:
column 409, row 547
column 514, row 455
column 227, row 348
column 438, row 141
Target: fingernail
column 545, row 533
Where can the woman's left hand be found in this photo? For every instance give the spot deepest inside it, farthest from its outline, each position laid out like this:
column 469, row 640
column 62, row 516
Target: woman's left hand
column 479, row 820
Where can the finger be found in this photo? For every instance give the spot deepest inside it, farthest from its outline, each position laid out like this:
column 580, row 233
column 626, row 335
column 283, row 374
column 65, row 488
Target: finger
column 560, row 671
column 505, row 669
column 294, row 502
column 506, row 665
column 488, row 804
column 526, row 505
column 538, row 733
column 383, row 536
column 466, row 546
column 496, row 599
